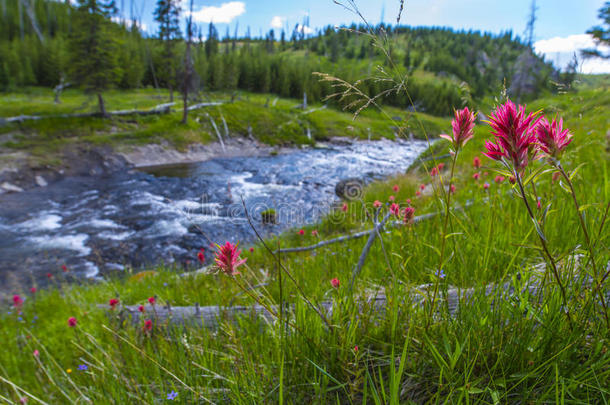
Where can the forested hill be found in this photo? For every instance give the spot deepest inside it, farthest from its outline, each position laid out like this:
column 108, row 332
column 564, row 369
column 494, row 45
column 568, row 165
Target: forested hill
column 444, row 67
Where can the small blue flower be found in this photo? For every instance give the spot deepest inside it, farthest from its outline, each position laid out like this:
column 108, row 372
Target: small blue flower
column 9, row 312
column 20, row 319
column 172, row 395
column 83, row 367
column 441, row 275
column 165, row 285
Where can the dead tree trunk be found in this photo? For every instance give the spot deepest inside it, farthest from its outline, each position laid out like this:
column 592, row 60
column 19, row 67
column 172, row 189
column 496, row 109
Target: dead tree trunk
column 100, row 100
column 187, row 65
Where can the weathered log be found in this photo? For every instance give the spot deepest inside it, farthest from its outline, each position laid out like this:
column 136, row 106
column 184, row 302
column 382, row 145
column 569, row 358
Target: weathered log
column 160, row 109
column 201, row 105
column 352, row 236
column 211, row 317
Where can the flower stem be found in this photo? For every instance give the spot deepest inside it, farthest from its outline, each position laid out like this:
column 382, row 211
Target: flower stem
column 587, row 240
column 546, row 250
column 443, row 239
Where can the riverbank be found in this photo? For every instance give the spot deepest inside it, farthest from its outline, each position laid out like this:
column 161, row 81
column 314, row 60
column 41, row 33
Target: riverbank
column 35, row 152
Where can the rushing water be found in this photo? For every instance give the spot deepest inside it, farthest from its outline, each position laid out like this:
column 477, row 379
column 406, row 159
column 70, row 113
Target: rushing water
column 96, row 225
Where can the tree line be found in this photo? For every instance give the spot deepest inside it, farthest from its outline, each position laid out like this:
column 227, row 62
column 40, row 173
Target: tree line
column 88, row 45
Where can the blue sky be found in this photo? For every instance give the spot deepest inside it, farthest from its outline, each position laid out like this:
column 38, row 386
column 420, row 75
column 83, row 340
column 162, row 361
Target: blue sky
column 559, row 29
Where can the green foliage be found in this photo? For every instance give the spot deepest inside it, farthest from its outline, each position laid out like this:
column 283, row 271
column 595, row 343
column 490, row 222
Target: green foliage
column 93, row 48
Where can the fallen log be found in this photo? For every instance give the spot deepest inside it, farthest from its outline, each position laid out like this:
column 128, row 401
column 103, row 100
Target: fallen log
column 349, row 237
column 211, row 317
column 160, row 109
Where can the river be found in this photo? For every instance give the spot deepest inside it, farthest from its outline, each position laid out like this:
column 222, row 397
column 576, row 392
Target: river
column 138, row 218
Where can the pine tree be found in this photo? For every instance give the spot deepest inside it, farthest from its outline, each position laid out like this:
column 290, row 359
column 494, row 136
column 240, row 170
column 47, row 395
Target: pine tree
column 94, row 64
column 167, row 14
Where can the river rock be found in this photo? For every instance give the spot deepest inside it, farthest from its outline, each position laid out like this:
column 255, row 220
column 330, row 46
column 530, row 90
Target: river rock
column 41, row 181
column 10, row 188
column 350, row 188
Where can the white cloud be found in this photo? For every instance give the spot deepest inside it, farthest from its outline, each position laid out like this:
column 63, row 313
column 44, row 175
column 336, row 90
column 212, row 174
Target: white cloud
column 277, row 22
column 225, row 13
column 305, row 29
column 571, row 43
column 595, row 66
column 561, row 50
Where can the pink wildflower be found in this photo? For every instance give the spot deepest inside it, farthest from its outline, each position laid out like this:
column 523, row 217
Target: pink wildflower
column 344, row 207
column 434, row 171
column 33, row 290
column 148, row 325
column 251, row 250
column 227, row 259
column 36, row 353
column 476, row 162
column 49, row 275
column 314, row 233
column 476, row 176
column 152, row 300
column 72, row 321
column 141, row 308
column 422, row 187
column 452, row 189
column 513, row 130
column 302, row 232
column 463, row 128
column 356, row 348
column 539, row 204
column 335, row 282
column 441, row 166
column 486, row 186
column 408, row 201
column 17, row 301
column 64, row 268
column 409, row 212
column 417, row 193
column 392, row 198
column 499, row 179
column 395, row 188
column 552, row 138
column 395, row 209
column 512, row 180
column 377, row 204
column 113, row 302
column 201, row 256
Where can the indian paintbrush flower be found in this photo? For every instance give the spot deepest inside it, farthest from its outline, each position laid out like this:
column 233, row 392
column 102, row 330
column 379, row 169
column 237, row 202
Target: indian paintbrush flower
column 335, row 282
column 72, row 322
column 462, row 127
column 476, row 162
column 409, row 212
column 201, row 256
column 513, row 129
column 113, row 302
column 552, row 138
column 17, row 301
column 227, row 258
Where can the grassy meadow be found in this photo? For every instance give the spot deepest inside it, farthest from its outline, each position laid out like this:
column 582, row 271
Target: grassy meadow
column 274, row 121
column 498, row 348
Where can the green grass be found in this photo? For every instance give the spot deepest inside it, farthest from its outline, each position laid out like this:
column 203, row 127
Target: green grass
column 273, row 121
column 496, row 350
